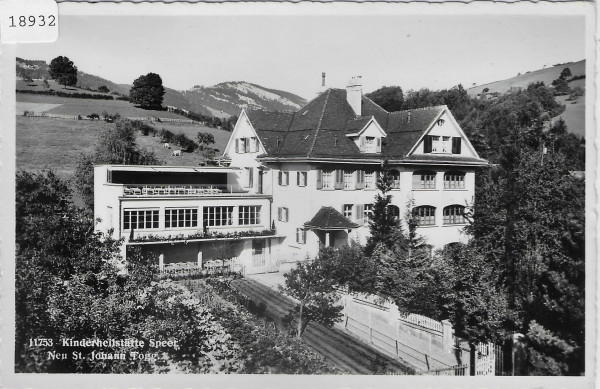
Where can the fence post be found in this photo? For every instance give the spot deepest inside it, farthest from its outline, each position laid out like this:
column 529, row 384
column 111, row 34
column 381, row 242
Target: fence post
column 447, row 338
column 519, row 355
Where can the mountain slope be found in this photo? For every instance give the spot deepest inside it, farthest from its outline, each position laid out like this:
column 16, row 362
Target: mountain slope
column 546, row 75
column 221, row 100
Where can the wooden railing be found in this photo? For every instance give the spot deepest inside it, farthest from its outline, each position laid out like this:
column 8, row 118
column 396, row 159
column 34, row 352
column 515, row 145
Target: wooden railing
column 423, row 321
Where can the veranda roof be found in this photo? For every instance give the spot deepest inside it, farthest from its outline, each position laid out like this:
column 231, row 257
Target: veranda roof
column 328, row 218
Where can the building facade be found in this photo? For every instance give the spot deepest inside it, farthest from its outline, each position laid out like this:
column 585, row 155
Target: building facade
column 295, row 181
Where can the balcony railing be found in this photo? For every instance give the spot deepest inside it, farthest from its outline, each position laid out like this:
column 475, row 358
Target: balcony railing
column 179, row 190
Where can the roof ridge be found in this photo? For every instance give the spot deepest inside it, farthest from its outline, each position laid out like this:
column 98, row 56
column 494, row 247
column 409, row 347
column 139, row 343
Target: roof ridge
column 314, row 142
column 420, row 109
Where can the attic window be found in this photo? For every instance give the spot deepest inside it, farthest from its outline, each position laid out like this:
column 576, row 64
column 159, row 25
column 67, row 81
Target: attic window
column 440, row 122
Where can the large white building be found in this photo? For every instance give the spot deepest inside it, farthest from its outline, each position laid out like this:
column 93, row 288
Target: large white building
column 295, row 181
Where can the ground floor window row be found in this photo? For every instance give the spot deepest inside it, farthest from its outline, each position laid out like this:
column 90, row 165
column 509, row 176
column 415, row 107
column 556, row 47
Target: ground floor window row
column 244, row 215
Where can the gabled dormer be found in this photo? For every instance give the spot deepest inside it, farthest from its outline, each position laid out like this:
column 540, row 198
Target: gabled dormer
column 244, row 139
column 366, row 133
column 444, row 137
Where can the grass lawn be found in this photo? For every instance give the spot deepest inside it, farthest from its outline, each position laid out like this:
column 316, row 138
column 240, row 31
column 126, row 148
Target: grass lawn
column 574, row 115
column 44, row 143
column 84, row 107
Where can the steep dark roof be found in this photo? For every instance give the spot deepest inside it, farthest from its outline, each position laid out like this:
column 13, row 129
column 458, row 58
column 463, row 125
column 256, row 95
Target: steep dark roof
column 318, row 130
column 328, row 218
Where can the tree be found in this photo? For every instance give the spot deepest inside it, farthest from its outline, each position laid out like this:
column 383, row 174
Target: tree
column 205, row 139
column 565, row 74
column 147, row 91
column 103, row 88
column 313, row 287
column 390, row 98
column 384, row 225
column 116, row 145
column 63, row 71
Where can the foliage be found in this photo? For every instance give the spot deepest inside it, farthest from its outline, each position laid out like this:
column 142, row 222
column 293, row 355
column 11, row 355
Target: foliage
column 389, row 98
column 313, row 287
column 103, row 88
column 116, row 145
column 179, row 139
column 565, row 74
column 74, row 95
column 64, row 71
column 205, row 139
column 264, row 346
column 384, row 225
column 68, row 287
column 350, row 268
column 147, row 91
column 543, row 345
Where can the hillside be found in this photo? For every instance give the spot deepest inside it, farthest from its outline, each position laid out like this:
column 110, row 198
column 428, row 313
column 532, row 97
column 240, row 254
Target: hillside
column 574, row 114
column 222, row 100
column 546, row 75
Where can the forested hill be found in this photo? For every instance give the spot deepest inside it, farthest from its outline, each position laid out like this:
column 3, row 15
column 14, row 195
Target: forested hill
column 222, row 100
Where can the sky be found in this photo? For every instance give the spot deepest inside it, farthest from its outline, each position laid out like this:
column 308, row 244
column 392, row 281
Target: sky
column 290, row 52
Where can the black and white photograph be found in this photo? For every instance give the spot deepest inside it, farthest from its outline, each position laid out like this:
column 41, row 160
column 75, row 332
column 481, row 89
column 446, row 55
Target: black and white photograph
column 374, row 194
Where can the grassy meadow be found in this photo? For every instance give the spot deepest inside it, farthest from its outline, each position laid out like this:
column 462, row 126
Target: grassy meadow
column 56, row 144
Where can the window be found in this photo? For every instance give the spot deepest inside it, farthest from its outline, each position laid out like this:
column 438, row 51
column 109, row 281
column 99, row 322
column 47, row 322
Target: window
column 438, row 144
column 348, row 179
column 282, row 214
column 395, row 176
column 300, row 235
column 249, row 177
column 424, row 180
column 218, row 216
column 454, row 214
column 454, row 180
column 424, row 215
column 440, row 122
column 240, row 145
column 370, row 180
column 327, row 179
column 348, row 211
column 456, row 141
column 253, row 144
column 370, row 144
column 368, row 213
column 249, row 215
column 301, row 178
column 284, row 178
column 395, row 211
column 140, row 219
column 181, row 217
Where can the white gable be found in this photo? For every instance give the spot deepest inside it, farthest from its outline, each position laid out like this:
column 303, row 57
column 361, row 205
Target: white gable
column 443, row 129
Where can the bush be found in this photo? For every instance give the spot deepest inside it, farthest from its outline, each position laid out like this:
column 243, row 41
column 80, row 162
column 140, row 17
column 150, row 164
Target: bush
column 111, row 118
column 143, row 128
column 76, row 95
column 93, row 116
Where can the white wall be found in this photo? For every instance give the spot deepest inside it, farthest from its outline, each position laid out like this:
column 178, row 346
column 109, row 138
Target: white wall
column 448, row 128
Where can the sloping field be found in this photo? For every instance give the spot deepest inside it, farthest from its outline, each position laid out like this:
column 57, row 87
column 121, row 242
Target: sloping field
column 574, row 115
column 45, row 143
column 38, row 85
column 546, row 75
column 84, row 107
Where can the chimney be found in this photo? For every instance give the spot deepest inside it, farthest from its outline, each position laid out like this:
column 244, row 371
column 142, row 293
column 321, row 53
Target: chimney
column 354, row 94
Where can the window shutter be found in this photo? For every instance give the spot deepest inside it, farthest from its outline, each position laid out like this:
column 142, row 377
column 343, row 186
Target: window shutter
column 319, row 179
column 280, row 176
column 237, row 145
column 279, row 213
column 360, row 179
column 362, row 143
column 251, row 177
column 379, row 145
column 427, row 144
column 416, row 180
column 456, row 143
column 360, row 213
column 339, row 179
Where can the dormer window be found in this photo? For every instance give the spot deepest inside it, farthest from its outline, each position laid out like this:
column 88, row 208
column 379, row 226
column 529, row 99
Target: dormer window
column 441, row 144
column 370, row 144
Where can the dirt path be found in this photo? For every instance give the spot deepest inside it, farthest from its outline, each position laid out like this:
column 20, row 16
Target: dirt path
column 344, row 351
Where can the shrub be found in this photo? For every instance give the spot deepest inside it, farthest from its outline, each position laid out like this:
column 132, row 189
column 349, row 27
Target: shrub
column 93, row 116
column 143, row 128
column 75, row 95
column 27, row 113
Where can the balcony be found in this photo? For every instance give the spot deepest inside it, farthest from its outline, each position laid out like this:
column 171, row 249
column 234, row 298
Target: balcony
column 179, row 190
